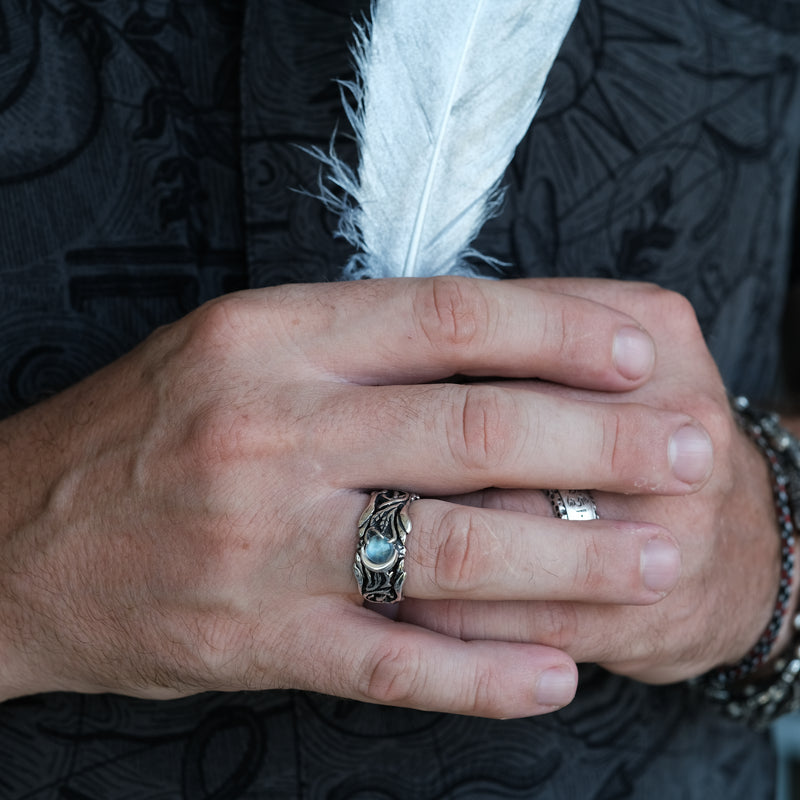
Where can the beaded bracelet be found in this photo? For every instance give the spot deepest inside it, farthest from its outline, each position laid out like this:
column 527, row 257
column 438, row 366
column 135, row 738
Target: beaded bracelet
column 759, row 702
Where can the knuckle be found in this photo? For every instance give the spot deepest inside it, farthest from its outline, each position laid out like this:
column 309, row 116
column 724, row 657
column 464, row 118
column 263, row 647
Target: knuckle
column 557, row 625
column 210, row 462
column 226, row 430
column 452, row 312
column 610, row 452
column 484, row 697
column 679, row 311
column 460, row 563
column 483, row 426
column 395, row 676
column 560, row 322
column 221, row 325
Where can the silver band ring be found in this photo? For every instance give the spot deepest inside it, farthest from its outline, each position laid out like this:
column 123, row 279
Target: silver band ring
column 379, row 565
column 573, row 504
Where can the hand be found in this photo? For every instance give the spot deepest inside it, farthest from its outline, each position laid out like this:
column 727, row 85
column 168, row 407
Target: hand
column 185, row 519
column 726, row 531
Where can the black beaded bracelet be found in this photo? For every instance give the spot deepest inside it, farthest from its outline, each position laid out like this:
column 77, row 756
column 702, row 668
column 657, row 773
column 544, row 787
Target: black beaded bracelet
column 759, row 702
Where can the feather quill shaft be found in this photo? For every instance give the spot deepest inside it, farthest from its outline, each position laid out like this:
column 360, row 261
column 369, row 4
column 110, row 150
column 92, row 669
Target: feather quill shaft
column 445, row 91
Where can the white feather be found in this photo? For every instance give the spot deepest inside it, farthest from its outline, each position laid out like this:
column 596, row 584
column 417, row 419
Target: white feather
column 445, row 90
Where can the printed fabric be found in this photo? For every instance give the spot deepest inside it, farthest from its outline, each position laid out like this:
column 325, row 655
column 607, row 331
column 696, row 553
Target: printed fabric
column 150, row 157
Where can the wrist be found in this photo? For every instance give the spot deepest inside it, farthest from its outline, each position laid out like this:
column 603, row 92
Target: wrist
column 765, row 683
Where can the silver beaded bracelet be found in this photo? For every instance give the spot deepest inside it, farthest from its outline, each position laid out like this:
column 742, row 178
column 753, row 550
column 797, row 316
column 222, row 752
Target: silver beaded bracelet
column 759, row 701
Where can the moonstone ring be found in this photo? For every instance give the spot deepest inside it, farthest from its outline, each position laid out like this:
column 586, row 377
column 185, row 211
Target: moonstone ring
column 573, row 504
column 380, row 557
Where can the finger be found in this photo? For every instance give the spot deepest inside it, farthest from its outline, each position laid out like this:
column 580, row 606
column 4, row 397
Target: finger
column 460, row 552
column 661, row 309
column 410, row 331
column 630, row 641
column 402, row 665
column 603, row 290
column 588, row 633
column 448, row 439
column 524, row 501
column 641, row 299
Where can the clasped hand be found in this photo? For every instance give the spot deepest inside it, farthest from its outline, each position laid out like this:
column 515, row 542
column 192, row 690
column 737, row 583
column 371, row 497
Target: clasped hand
column 185, row 519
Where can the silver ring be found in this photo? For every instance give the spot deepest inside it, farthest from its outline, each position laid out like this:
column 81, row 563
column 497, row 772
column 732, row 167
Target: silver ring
column 573, row 504
column 379, row 566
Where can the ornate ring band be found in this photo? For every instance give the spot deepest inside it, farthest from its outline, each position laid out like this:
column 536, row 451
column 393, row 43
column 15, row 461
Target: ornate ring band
column 379, row 565
column 573, row 504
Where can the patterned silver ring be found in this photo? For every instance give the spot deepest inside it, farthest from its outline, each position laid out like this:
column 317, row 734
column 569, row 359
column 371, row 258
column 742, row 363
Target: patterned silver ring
column 573, row 504
column 380, row 556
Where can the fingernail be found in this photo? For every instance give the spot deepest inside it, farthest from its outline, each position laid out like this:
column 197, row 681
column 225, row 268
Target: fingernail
column 634, row 353
column 555, row 687
column 691, row 454
column 661, row 565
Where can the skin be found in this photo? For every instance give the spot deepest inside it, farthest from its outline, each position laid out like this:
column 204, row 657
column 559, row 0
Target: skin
column 726, row 531
column 184, row 519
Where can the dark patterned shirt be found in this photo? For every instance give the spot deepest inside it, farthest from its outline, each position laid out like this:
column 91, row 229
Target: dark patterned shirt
column 148, row 157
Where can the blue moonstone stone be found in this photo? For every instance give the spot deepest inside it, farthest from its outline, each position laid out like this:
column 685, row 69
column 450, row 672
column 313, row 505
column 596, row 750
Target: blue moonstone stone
column 379, row 550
